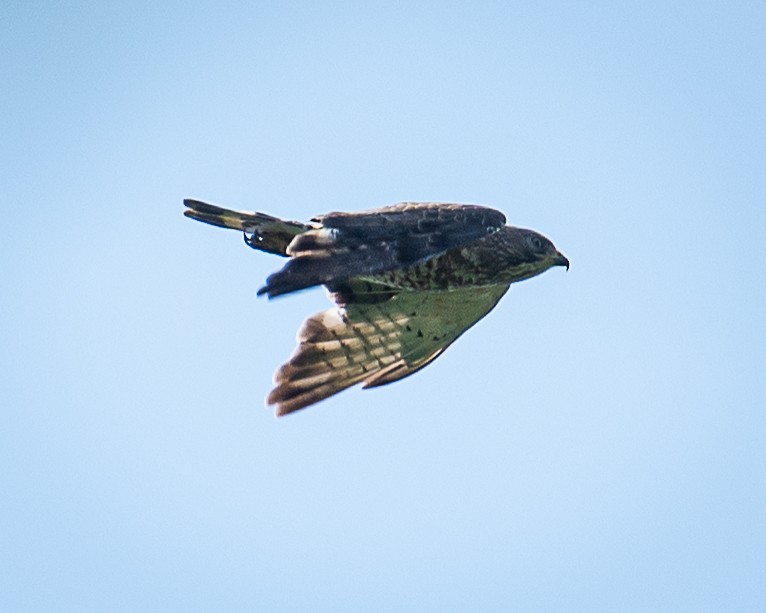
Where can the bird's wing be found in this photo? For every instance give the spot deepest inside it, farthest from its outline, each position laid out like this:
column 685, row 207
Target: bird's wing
column 370, row 242
column 375, row 342
column 262, row 232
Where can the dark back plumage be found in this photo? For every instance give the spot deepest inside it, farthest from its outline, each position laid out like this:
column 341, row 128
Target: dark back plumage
column 347, row 245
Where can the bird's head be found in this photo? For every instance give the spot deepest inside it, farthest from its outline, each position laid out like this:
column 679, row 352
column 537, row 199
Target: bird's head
column 527, row 253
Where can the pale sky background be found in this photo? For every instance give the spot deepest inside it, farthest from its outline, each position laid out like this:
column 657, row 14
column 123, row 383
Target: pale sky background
column 595, row 444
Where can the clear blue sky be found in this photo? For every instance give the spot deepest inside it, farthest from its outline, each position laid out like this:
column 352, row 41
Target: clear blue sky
column 595, row 444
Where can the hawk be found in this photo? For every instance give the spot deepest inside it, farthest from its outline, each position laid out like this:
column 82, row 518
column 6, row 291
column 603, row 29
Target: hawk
column 407, row 281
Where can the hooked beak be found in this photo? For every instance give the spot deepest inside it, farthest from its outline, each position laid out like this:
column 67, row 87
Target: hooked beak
column 561, row 260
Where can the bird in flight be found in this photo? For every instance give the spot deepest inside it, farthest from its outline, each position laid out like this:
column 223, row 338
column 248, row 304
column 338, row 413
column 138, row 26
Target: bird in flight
column 407, row 281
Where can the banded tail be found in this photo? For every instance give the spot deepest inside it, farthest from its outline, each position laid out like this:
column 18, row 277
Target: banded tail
column 262, row 232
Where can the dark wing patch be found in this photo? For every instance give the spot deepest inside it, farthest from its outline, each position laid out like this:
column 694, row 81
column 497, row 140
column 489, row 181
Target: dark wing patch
column 358, row 244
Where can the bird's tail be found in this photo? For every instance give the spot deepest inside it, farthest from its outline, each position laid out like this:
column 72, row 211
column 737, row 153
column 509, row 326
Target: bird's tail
column 262, row 231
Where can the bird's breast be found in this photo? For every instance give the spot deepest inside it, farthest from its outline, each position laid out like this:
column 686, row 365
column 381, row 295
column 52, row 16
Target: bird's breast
column 456, row 269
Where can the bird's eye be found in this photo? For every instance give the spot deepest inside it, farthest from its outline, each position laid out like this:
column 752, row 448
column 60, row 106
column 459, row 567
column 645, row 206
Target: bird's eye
column 536, row 243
